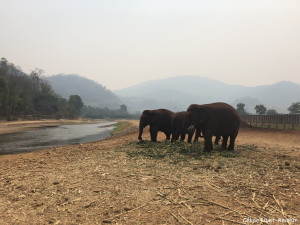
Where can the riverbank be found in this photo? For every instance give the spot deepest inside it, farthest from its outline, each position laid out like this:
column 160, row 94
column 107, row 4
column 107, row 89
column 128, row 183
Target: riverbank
column 120, row 180
column 19, row 126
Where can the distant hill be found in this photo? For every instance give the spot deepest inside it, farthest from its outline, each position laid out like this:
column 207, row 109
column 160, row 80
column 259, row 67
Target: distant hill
column 91, row 92
column 177, row 93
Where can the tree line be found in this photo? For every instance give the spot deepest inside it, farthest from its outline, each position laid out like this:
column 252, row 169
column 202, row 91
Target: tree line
column 24, row 94
column 262, row 110
column 100, row 113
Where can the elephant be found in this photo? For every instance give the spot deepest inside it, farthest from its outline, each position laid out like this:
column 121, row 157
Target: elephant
column 159, row 120
column 181, row 126
column 219, row 119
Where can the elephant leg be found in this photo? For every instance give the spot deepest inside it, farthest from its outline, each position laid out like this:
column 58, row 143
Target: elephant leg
column 140, row 135
column 168, row 135
column 174, row 136
column 140, row 132
column 154, row 136
column 190, row 135
column 231, row 144
column 224, row 142
column 217, row 139
column 208, row 146
column 182, row 136
column 190, row 138
column 197, row 135
column 153, row 133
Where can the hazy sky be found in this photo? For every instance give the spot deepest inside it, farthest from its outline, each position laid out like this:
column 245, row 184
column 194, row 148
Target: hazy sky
column 120, row 43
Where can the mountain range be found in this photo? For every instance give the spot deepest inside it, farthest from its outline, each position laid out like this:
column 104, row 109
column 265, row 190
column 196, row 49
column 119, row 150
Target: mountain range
column 177, row 93
column 91, row 92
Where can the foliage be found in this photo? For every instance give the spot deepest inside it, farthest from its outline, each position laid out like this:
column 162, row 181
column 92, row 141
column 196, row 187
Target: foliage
column 45, row 103
column 22, row 94
column 75, row 104
column 123, row 108
column 294, row 108
column 271, row 112
column 241, row 109
column 260, row 109
column 98, row 113
column 92, row 112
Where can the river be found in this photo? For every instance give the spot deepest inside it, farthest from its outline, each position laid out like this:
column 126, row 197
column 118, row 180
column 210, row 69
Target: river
column 54, row 136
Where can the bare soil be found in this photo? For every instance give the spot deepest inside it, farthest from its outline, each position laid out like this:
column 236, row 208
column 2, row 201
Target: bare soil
column 117, row 181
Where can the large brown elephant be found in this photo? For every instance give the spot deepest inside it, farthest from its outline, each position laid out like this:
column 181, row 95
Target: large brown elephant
column 181, row 126
column 159, row 120
column 219, row 119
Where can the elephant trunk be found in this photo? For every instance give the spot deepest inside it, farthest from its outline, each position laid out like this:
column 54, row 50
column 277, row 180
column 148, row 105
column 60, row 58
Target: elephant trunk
column 140, row 131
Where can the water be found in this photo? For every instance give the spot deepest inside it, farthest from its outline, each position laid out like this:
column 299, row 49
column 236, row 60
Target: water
column 54, row 136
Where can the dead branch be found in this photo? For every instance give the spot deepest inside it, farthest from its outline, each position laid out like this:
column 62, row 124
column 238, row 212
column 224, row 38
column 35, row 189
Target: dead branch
column 281, row 211
column 175, row 218
column 185, row 219
column 225, row 207
column 232, row 221
column 296, row 192
column 123, row 213
column 253, row 199
column 179, row 193
column 186, row 205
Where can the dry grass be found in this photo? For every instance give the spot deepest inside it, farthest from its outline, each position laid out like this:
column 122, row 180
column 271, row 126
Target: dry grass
column 123, row 181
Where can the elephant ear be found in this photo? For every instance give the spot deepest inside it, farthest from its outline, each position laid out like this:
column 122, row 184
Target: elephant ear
column 150, row 116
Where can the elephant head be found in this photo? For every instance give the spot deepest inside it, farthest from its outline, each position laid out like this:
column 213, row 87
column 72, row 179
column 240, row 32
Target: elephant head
column 198, row 116
column 146, row 119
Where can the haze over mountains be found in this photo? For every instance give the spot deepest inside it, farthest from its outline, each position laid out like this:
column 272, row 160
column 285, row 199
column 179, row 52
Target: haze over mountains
column 91, row 92
column 177, row 93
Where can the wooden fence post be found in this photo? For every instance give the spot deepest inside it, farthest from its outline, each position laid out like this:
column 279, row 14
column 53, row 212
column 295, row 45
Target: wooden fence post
column 288, row 121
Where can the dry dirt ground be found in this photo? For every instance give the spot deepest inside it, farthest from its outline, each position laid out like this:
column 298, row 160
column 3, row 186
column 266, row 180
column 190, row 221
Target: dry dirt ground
column 122, row 181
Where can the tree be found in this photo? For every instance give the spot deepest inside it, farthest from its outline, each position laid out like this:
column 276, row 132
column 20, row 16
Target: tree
column 241, row 109
column 260, row 109
column 75, row 104
column 45, row 104
column 123, row 108
column 36, row 76
column 271, row 112
column 28, row 94
column 294, row 108
column 3, row 65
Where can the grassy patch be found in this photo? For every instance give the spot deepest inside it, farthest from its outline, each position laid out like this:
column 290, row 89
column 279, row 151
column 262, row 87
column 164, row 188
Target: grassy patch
column 120, row 126
column 179, row 151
